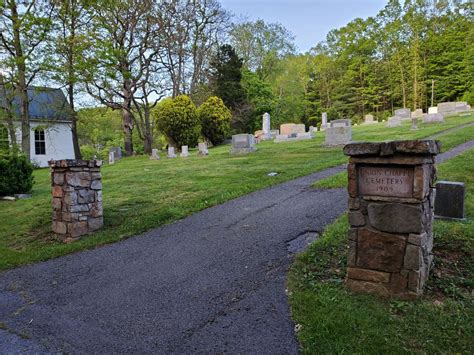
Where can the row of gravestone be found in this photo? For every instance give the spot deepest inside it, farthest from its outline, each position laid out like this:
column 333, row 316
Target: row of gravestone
column 115, row 153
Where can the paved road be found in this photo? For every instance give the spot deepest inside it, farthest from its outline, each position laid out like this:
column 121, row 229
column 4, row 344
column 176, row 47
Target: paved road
column 211, row 283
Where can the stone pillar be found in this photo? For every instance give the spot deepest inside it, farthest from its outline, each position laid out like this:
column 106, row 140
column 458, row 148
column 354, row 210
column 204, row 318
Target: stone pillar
column 391, row 201
column 77, row 197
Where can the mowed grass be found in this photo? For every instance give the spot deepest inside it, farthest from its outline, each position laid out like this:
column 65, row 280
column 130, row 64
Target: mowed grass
column 140, row 194
column 331, row 320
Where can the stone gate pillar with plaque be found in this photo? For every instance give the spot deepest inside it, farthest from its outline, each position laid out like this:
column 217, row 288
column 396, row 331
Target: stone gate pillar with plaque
column 391, row 201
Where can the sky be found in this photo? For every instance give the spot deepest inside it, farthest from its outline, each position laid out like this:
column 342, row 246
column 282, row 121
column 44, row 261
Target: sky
column 308, row 20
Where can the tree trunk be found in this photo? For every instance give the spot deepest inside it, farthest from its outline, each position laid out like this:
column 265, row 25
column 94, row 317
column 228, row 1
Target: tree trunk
column 127, row 128
column 148, row 136
column 75, row 140
column 21, row 81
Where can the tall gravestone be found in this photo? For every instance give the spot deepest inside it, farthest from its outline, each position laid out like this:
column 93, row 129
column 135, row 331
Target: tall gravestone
column 324, row 120
column 266, row 126
column 391, row 201
column 77, row 197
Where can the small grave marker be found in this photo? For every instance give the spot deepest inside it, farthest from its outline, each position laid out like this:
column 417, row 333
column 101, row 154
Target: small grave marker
column 184, row 151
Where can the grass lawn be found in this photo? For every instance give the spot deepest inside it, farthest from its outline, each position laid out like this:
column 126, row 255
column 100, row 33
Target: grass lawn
column 140, row 194
column 330, row 320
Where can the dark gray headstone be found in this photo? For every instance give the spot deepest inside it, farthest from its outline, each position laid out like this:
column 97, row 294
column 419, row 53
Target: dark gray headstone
column 449, row 201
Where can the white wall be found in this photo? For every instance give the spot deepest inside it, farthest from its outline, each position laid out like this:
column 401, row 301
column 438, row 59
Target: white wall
column 58, row 137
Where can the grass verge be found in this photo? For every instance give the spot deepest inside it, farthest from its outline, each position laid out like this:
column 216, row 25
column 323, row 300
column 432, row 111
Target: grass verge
column 331, row 320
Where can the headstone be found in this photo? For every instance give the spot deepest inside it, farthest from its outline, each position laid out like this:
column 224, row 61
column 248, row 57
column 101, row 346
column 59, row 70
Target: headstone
column 171, row 153
column 77, row 197
column 414, row 124
column 299, row 128
column 394, row 122
column 449, row 201
column 274, row 133
column 154, row 154
column 391, row 216
column 433, row 118
column 418, row 113
column 339, row 132
column 242, row 144
column 340, row 123
column 117, row 152
column 184, row 151
column 313, row 130
column 306, row 135
column 111, row 157
column 462, row 106
column 433, row 110
column 324, row 120
column 287, row 128
column 281, row 138
column 202, row 147
column 266, row 126
column 368, row 119
column 403, row 113
column 444, row 107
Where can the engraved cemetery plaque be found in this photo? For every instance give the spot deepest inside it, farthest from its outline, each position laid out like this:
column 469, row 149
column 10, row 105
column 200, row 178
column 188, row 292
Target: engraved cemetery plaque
column 386, row 181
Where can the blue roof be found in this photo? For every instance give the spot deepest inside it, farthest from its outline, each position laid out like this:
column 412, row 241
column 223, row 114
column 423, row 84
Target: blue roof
column 44, row 104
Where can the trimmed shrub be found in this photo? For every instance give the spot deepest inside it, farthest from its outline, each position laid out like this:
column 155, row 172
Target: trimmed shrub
column 215, row 119
column 178, row 121
column 16, row 174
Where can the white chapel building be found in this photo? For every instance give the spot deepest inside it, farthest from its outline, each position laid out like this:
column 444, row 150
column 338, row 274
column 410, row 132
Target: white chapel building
column 50, row 124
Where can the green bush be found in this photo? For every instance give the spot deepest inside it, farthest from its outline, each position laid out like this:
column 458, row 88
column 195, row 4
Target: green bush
column 215, row 119
column 177, row 119
column 16, row 174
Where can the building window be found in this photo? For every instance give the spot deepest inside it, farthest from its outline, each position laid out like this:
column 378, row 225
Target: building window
column 40, row 143
column 4, row 143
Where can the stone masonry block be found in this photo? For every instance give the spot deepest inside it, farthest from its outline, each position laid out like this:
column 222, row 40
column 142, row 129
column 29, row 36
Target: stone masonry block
column 413, row 257
column 374, row 288
column 57, row 191
column 77, row 229
column 59, row 227
column 380, row 251
column 367, row 275
column 78, row 179
column 354, row 203
column 395, row 217
column 356, row 219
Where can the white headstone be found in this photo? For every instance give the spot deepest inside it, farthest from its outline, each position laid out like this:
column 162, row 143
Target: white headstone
column 369, row 119
column 266, row 126
column 324, row 120
column 203, row 149
column 184, row 151
column 394, row 122
column 111, row 157
column 154, row 154
column 403, row 113
column 433, row 118
column 171, row 153
column 418, row 113
column 433, row 110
